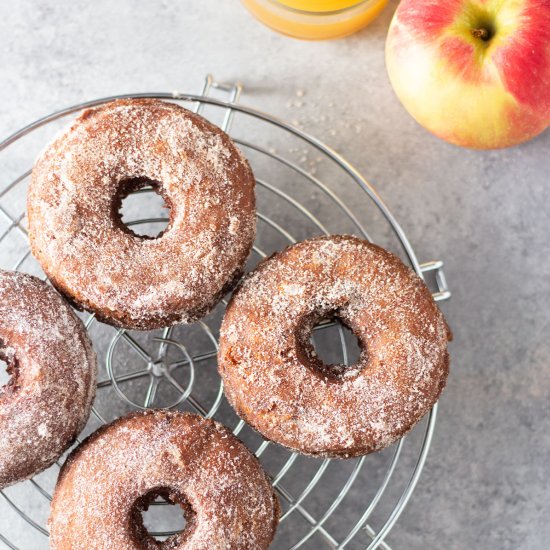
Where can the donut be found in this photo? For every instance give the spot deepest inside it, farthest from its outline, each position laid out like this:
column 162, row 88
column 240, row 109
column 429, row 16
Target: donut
column 75, row 227
column 48, row 397
column 198, row 464
column 276, row 382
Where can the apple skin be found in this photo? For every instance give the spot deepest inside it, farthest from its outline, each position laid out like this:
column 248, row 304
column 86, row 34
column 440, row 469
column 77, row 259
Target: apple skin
column 476, row 73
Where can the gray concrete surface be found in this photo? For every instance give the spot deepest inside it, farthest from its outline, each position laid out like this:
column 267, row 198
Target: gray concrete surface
column 486, row 482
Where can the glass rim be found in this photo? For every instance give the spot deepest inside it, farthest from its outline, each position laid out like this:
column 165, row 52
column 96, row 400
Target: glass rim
column 350, row 4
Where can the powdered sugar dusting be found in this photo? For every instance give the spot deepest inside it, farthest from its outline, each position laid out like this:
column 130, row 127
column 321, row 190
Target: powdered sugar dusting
column 53, row 368
column 273, row 378
column 225, row 494
column 85, row 250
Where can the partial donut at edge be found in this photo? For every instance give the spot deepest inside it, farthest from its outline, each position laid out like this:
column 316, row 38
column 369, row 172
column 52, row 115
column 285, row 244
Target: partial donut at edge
column 53, row 368
column 196, row 463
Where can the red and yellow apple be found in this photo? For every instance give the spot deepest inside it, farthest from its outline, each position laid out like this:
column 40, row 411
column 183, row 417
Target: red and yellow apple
column 474, row 72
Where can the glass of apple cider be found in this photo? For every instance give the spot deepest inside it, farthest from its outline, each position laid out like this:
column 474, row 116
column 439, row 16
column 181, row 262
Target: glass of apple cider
column 315, row 19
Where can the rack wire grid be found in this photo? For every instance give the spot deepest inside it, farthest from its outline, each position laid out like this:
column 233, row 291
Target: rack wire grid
column 300, row 184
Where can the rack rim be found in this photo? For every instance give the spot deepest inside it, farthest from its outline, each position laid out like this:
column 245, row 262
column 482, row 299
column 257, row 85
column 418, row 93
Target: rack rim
column 377, row 539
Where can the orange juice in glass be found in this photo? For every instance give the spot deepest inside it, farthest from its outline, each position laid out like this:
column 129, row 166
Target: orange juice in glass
column 315, row 19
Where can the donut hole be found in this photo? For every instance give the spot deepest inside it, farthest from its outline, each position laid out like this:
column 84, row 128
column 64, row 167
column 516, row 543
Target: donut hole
column 161, row 511
column 141, row 208
column 328, row 346
column 8, row 372
column 4, row 375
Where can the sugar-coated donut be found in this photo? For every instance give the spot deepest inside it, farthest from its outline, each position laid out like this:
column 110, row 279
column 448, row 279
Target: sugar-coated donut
column 274, row 379
column 52, row 368
column 76, row 231
column 119, row 470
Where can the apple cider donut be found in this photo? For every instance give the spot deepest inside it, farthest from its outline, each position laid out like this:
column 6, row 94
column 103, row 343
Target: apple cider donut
column 52, row 369
column 77, row 234
column 115, row 474
column 276, row 382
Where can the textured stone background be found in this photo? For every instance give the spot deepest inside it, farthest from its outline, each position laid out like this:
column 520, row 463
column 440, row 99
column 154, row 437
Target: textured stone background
column 487, row 215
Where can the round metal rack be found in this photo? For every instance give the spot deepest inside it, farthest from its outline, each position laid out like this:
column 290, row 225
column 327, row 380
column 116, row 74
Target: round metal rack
column 325, row 503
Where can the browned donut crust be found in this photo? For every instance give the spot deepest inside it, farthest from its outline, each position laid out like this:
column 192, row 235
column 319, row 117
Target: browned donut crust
column 118, row 471
column 48, row 398
column 273, row 378
column 77, row 235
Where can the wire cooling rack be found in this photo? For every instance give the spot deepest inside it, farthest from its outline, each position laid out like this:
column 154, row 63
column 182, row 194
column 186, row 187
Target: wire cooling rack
column 304, row 188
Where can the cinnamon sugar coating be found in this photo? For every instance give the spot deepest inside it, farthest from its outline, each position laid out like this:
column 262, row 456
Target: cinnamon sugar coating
column 75, row 229
column 274, row 379
column 48, row 398
column 198, row 464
